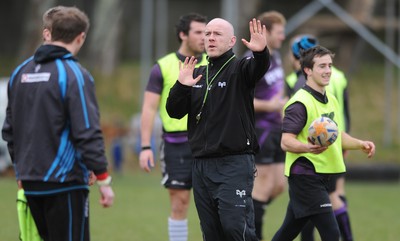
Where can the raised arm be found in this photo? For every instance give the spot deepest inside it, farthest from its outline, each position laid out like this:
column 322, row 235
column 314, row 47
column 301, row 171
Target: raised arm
column 178, row 102
column 258, row 36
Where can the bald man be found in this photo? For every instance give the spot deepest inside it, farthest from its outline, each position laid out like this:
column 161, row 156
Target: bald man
column 218, row 99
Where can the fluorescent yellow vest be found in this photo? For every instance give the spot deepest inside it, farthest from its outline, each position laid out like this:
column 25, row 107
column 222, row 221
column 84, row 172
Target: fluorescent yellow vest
column 27, row 227
column 336, row 86
column 291, row 79
column 331, row 160
column 169, row 66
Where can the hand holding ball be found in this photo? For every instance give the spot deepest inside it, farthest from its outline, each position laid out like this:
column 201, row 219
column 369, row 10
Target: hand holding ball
column 323, row 131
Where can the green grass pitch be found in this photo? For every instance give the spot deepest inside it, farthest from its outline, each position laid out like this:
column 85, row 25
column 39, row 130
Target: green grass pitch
column 142, row 206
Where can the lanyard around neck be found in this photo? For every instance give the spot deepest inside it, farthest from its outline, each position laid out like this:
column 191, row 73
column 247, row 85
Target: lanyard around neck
column 209, row 85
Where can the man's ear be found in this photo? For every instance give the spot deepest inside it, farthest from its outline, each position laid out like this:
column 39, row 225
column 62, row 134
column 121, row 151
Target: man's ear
column 182, row 36
column 307, row 71
column 46, row 35
column 81, row 38
column 232, row 41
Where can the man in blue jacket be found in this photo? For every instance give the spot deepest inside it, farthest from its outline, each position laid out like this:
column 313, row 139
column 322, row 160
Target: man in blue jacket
column 53, row 132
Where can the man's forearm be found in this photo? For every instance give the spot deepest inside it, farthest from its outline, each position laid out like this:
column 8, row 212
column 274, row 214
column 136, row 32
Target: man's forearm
column 178, row 101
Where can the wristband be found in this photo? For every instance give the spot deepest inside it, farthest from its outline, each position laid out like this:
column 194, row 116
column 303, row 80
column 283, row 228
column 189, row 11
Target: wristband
column 146, row 148
column 105, row 182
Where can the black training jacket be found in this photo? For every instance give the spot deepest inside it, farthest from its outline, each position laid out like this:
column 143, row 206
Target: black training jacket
column 226, row 125
column 52, row 121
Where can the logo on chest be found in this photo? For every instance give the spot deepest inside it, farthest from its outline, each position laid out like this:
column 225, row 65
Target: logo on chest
column 35, row 77
column 221, row 84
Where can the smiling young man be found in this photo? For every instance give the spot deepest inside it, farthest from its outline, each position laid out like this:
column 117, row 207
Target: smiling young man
column 338, row 87
column 309, row 167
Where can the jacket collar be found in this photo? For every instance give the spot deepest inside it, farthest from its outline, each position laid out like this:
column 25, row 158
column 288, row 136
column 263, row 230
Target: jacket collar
column 220, row 60
column 318, row 96
column 48, row 52
column 182, row 57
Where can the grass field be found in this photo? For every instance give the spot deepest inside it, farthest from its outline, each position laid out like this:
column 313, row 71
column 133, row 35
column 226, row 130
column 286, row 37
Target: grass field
column 142, row 207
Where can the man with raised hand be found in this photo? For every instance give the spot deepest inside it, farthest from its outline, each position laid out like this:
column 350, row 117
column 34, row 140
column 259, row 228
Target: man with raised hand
column 218, row 99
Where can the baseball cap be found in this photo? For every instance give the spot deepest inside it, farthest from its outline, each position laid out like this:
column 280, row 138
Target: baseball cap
column 303, row 43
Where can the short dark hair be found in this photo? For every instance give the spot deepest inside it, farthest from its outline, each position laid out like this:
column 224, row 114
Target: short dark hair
column 183, row 25
column 65, row 23
column 307, row 56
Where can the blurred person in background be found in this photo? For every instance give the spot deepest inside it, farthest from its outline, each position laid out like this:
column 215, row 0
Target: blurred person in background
column 338, row 88
column 56, row 152
column 269, row 100
column 5, row 160
column 175, row 154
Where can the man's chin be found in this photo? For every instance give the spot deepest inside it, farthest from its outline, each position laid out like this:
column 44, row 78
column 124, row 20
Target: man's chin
column 212, row 54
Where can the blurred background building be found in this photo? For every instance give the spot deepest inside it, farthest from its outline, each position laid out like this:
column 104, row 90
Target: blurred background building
column 137, row 29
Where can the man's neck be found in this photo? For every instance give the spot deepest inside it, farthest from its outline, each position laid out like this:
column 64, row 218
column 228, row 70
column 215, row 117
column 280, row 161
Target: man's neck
column 316, row 87
column 187, row 52
column 69, row 47
column 272, row 50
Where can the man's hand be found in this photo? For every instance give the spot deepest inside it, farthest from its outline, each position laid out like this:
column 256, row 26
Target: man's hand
column 258, row 36
column 368, row 147
column 107, row 196
column 146, row 160
column 277, row 103
column 186, row 72
column 315, row 149
column 92, row 178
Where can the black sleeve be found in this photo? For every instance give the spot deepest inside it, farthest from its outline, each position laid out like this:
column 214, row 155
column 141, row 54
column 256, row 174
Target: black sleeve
column 156, row 81
column 255, row 67
column 178, row 102
column 85, row 122
column 295, row 118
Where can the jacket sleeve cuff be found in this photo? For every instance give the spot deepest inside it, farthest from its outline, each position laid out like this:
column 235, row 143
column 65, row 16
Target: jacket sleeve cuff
column 181, row 88
column 263, row 52
column 102, row 176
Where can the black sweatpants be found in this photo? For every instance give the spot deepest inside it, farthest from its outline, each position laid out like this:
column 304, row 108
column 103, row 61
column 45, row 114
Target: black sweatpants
column 309, row 201
column 291, row 227
column 222, row 193
column 61, row 217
